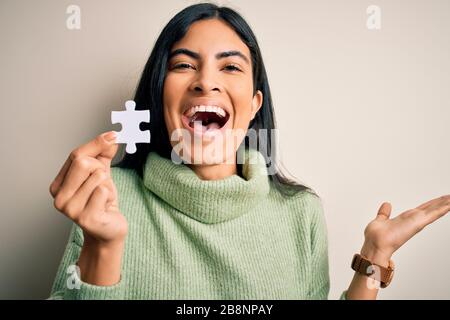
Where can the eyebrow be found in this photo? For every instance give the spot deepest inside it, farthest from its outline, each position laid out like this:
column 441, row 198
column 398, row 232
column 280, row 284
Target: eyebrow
column 219, row 55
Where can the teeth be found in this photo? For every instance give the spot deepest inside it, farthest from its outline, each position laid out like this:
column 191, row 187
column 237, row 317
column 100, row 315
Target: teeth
column 215, row 109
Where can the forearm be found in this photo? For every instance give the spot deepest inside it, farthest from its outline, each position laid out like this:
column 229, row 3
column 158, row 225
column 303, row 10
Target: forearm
column 101, row 264
column 363, row 287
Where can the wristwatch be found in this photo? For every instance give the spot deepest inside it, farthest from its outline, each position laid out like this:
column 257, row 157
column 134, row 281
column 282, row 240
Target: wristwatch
column 364, row 266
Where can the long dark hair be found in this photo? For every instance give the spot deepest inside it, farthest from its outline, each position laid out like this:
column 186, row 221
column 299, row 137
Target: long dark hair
column 149, row 92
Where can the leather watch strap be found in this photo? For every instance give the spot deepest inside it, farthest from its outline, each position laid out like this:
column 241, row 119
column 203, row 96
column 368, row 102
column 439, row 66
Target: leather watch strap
column 364, row 266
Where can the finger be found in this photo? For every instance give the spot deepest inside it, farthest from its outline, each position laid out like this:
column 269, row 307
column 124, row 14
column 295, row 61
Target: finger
column 438, row 209
column 97, row 202
column 431, row 202
column 78, row 202
column 54, row 186
column 102, row 147
column 384, row 212
column 95, row 208
column 112, row 200
column 79, row 171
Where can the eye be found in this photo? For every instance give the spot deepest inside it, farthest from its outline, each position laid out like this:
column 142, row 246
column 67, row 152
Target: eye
column 182, row 66
column 232, row 67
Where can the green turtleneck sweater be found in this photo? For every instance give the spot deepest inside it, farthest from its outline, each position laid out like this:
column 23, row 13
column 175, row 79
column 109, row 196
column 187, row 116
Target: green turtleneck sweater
column 235, row 238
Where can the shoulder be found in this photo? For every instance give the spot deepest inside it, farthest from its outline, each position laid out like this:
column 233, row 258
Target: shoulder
column 305, row 207
column 307, row 216
column 306, row 200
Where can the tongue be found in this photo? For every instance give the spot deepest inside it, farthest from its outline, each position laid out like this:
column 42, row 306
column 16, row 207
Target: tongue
column 213, row 125
column 200, row 128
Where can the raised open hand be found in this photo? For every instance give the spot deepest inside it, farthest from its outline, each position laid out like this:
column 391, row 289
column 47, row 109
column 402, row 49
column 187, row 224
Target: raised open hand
column 383, row 235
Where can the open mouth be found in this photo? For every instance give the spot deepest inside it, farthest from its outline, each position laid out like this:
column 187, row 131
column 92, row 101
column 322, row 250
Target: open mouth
column 208, row 117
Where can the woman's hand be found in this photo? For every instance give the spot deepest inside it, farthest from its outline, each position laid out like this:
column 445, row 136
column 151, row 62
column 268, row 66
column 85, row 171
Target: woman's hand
column 383, row 236
column 84, row 191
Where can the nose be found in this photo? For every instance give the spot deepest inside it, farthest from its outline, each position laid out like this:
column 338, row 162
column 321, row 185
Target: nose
column 205, row 82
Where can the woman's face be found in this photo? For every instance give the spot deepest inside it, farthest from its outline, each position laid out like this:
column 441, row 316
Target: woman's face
column 208, row 93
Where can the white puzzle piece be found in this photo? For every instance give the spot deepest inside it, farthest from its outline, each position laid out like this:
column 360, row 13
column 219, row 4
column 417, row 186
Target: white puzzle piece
column 130, row 120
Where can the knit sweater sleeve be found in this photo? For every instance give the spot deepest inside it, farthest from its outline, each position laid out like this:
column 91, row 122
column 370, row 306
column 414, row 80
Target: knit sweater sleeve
column 320, row 284
column 68, row 285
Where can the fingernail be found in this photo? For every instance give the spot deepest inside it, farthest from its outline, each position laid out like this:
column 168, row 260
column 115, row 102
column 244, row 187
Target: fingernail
column 110, row 136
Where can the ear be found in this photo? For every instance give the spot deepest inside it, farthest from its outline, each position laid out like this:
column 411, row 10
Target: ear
column 256, row 103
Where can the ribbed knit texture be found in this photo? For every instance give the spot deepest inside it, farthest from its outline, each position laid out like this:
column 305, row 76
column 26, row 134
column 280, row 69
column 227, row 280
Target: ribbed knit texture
column 235, row 238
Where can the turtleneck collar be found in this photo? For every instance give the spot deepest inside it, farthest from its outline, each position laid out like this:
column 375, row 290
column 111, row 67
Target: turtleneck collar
column 208, row 201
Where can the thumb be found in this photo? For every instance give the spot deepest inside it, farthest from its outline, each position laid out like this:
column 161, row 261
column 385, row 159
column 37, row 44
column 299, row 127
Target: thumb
column 107, row 146
column 108, row 153
column 103, row 147
column 384, row 212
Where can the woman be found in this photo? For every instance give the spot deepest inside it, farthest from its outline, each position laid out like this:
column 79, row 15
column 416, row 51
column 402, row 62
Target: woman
column 226, row 224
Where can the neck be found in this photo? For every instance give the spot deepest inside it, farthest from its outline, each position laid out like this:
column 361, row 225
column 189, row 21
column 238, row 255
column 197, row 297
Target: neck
column 215, row 171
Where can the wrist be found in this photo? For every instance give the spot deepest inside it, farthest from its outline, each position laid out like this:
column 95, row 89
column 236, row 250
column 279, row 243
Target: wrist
column 376, row 256
column 100, row 263
column 102, row 252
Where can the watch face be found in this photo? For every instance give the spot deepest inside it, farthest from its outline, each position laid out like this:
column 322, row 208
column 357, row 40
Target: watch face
column 364, row 266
